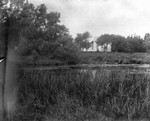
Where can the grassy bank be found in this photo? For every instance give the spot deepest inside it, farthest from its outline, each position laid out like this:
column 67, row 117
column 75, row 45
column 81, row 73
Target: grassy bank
column 113, row 58
column 90, row 58
column 75, row 95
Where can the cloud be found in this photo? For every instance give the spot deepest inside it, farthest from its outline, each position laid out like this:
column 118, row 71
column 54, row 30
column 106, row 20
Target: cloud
column 102, row 16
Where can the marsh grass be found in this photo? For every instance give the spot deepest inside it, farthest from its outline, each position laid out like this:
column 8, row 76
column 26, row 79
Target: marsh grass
column 78, row 95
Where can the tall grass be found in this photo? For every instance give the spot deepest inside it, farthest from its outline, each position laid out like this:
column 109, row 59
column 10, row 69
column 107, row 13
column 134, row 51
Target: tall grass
column 78, row 95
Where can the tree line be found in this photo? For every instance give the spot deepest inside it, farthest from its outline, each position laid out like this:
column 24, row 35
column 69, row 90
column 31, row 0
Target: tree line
column 118, row 43
column 124, row 44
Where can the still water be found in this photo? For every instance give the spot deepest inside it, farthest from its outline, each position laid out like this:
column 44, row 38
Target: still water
column 95, row 70
column 131, row 67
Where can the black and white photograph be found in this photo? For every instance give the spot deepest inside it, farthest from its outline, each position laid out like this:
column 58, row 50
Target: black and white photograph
column 74, row 60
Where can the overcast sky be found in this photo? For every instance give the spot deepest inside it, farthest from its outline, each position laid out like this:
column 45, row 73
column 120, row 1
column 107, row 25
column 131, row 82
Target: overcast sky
column 124, row 17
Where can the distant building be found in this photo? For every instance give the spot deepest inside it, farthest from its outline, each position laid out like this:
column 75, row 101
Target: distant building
column 104, row 48
column 94, row 47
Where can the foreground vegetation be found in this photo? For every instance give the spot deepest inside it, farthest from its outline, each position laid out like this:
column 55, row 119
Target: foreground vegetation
column 78, row 95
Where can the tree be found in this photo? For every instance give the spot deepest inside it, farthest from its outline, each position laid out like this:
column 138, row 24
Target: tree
column 83, row 40
column 122, row 44
column 118, row 42
column 38, row 30
column 42, row 26
column 104, row 39
column 68, row 51
column 136, row 44
column 31, row 23
column 147, row 42
column 42, row 33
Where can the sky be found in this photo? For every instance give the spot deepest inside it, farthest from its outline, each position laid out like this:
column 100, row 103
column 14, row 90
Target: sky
column 123, row 17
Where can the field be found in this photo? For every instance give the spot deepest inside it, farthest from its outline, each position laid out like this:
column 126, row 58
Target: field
column 113, row 58
column 74, row 95
column 92, row 58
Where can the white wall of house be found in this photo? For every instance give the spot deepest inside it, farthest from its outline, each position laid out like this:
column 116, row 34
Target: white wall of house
column 109, row 47
column 94, row 47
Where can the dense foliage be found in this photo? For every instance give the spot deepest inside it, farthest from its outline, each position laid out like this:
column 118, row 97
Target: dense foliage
column 122, row 44
column 32, row 31
column 147, row 42
column 82, row 40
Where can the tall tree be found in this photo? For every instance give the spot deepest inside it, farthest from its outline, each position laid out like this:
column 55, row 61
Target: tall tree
column 41, row 32
column 118, row 42
column 147, row 42
column 136, row 44
column 43, row 26
column 122, row 44
column 82, row 40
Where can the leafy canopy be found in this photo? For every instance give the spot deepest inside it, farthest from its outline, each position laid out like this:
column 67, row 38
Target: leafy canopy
column 122, row 44
column 82, row 40
column 34, row 31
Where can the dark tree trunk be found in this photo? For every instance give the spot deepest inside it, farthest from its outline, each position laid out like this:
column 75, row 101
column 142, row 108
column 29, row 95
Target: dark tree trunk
column 6, row 36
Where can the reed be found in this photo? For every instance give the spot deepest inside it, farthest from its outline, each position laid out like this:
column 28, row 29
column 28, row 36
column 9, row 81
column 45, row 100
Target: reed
column 80, row 95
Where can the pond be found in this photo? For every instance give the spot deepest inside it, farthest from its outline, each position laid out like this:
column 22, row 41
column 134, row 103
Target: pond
column 98, row 70
column 131, row 67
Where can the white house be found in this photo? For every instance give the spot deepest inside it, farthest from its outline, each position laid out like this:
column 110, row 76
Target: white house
column 94, row 47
